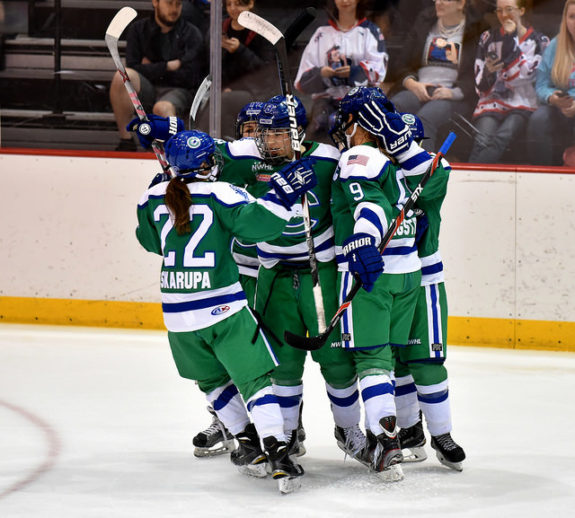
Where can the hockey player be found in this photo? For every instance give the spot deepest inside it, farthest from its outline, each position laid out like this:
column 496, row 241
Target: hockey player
column 216, row 439
column 284, row 297
column 368, row 192
column 421, row 380
column 214, row 336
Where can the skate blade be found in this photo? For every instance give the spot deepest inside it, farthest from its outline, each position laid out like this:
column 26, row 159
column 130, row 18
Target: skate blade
column 288, row 485
column 457, row 466
column 254, row 470
column 392, row 474
column 301, row 451
column 226, row 447
column 414, row 454
column 348, row 454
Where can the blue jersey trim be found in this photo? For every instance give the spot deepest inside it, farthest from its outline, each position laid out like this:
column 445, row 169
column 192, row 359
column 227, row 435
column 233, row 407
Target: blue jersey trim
column 191, row 305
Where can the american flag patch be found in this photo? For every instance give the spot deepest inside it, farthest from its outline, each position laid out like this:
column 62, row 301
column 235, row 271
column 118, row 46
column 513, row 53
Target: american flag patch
column 357, row 159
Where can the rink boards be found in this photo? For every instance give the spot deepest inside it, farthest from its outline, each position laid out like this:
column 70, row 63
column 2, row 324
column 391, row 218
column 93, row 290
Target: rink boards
column 70, row 256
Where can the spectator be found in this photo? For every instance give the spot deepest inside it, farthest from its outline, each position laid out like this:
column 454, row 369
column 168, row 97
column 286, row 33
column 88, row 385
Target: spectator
column 348, row 52
column 164, row 63
column 437, row 58
column 555, row 87
column 243, row 52
column 197, row 12
column 507, row 58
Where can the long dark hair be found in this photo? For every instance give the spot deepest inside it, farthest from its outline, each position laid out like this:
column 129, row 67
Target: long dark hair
column 178, row 200
column 360, row 9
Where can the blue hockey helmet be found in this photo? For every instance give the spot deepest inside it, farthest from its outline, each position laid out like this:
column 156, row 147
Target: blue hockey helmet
column 249, row 113
column 193, row 154
column 349, row 107
column 415, row 125
column 273, row 136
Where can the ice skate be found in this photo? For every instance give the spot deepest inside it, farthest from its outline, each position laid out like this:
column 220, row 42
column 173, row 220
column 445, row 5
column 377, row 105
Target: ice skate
column 249, row 457
column 353, row 442
column 214, row 440
column 295, row 447
column 448, row 452
column 412, row 440
column 387, row 455
column 300, row 433
column 284, row 470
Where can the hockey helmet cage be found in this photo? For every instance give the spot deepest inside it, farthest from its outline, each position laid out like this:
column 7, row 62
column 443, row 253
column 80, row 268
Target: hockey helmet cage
column 193, row 154
column 350, row 105
column 248, row 113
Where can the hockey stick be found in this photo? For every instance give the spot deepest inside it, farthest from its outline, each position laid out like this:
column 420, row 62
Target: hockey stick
column 117, row 26
column 200, row 99
column 315, row 342
column 271, row 33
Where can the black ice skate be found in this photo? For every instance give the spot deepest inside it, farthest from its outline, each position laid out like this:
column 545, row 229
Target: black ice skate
column 448, row 452
column 284, row 470
column 295, row 447
column 214, row 440
column 300, row 433
column 354, row 443
column 387, row 454
column 249, row 457
column 412, row 440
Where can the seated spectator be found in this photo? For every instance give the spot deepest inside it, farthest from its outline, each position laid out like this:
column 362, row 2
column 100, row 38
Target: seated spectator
column 437, row 59
column 507, row 58
column 197, row 12
column 554, row 120
column 348, row 52
column 164, row 63
column 243, row 53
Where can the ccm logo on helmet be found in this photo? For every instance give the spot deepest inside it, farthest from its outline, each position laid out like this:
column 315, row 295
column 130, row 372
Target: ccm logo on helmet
column 220, row 310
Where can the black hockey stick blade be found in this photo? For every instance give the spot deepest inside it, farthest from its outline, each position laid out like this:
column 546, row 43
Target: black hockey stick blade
column 296, row 27
column 312, row 343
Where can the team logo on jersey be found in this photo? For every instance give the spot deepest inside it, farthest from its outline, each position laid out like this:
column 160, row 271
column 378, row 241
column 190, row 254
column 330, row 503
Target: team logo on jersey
column 437, row 347
column 220, row 310
column 193, row 142
column 240, row 191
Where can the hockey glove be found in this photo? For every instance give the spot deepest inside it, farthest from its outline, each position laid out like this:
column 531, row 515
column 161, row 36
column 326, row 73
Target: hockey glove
column 159, row 178
column 290, row 182
column 388, row 126
column 363, row 258
column 156, row 128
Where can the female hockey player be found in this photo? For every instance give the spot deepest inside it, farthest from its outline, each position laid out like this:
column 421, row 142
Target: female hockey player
column 214, row 337
column 421, row 380
column 368, row 192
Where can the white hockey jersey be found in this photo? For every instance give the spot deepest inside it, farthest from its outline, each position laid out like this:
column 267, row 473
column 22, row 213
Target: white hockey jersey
column 362, row 48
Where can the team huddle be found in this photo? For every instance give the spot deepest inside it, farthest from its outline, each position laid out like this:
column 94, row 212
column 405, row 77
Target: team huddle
column 237, row 275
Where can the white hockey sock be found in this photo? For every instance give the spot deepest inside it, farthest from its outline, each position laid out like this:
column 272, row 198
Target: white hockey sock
column 229, row 407
column 266, row 414
column 289, row 399
column 406, row 403
column 377, row 395
column 434, row 403
column 344, row 405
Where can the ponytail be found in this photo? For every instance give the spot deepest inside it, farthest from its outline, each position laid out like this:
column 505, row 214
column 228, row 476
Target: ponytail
column 179, row 201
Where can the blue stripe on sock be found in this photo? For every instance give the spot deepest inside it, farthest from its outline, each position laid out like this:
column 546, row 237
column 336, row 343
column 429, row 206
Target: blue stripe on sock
column 344, row 401
column 376, row 390
column 436, row 397
column 405, row 389
column 268, row 399
column 225, row 397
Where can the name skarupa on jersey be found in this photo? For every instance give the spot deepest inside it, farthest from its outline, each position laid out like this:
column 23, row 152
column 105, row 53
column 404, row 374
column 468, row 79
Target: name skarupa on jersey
column 185, row 280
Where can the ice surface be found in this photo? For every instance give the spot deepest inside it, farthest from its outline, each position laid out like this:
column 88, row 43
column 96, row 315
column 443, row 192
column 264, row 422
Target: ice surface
column 97, row 423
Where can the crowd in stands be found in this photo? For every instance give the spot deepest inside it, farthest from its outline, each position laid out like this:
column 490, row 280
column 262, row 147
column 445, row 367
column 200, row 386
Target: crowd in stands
column 476, row 66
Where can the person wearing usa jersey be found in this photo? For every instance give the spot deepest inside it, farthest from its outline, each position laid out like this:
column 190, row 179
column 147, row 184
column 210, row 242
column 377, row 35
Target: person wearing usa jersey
column 349, row 51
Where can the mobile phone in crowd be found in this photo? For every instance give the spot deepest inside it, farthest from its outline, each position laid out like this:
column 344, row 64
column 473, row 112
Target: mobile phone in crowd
column 561, row 93
column 430, row 89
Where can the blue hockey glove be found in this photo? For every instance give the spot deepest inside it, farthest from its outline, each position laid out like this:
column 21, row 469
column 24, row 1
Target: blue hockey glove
column 296, row 178
column 159, row 178
column 157, row 128
column 388, row 126
column 363, row 258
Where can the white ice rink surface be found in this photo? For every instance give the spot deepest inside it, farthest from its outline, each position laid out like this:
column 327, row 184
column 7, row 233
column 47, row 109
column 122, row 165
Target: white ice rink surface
column 97, row 423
